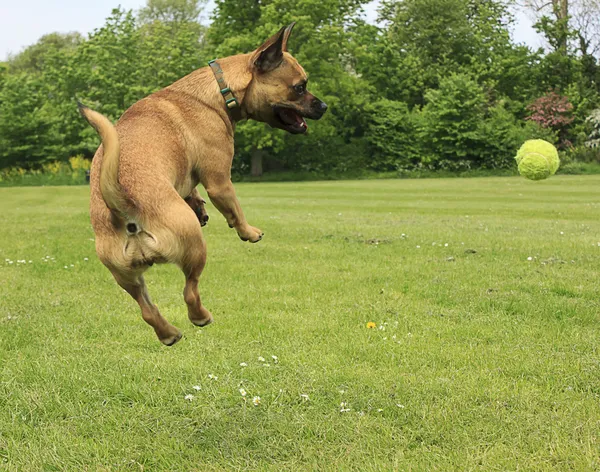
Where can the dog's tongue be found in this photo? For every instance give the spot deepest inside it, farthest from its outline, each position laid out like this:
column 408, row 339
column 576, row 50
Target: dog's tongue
column 290, row 117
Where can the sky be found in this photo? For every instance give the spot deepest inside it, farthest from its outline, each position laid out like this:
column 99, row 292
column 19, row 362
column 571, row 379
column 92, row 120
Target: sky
column 23, row 22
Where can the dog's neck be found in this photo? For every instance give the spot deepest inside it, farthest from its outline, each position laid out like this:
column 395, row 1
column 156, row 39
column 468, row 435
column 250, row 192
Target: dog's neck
column 203, row 86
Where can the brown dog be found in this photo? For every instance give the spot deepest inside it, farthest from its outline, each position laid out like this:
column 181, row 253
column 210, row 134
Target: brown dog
column 145, row 208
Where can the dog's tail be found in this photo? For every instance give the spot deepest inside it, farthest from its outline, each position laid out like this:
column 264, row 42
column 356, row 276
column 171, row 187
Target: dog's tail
column 110, row 188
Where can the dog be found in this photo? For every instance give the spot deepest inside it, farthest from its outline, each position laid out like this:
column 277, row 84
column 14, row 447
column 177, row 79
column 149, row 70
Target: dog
column 145, row 208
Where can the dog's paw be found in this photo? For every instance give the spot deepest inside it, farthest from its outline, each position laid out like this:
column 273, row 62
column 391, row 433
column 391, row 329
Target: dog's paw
column 250, row 233
column 171, row 339
column 201, row 317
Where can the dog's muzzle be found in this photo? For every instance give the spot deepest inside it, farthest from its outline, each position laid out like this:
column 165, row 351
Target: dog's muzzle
column 317, row 109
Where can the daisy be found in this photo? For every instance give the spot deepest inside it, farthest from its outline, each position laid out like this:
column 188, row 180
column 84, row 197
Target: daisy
column 189, row 397
column 256, row 401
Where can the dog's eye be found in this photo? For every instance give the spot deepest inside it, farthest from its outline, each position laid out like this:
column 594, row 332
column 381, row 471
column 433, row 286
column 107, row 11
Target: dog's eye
column 300, row 89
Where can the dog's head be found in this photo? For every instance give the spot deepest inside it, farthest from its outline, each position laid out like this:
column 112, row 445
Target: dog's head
column 277, row 94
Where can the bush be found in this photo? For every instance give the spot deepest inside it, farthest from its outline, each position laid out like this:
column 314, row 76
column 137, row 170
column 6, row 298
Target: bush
column 501, row 135
column 50, row 173
column 392, row 134
column 451, row 120
column 554, row 112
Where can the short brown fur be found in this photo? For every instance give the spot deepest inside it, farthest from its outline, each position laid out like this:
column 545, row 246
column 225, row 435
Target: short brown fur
column 145, row 207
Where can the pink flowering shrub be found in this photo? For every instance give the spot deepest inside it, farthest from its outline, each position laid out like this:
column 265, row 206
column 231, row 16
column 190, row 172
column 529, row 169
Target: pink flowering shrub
column 552, row 111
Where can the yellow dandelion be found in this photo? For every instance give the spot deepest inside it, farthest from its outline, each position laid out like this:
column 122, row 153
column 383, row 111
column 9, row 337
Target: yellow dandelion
column 371, row 325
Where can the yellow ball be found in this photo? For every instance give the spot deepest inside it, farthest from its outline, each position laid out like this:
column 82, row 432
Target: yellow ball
column 537, row 159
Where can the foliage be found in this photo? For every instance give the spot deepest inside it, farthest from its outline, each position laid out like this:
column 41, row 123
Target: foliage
column 554, row 112
column 393, row 134
column 593, row 139
column 72, row 172
column 436, row 84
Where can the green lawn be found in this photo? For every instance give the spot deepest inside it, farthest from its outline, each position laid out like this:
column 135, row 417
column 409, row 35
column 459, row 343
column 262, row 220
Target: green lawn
column 481, row 360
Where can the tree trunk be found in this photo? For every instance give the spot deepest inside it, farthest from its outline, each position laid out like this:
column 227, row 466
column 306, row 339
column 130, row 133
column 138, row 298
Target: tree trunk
column 256, row 163
column 561, row 12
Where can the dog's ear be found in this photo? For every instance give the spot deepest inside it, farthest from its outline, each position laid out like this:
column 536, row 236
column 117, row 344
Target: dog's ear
column 268, row 57
column 286, row 35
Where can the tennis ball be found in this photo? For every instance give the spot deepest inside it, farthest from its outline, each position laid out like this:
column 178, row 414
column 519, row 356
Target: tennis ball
column 537, row 159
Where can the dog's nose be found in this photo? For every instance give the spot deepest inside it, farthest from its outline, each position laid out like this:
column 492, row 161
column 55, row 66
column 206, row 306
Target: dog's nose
column 323, row 107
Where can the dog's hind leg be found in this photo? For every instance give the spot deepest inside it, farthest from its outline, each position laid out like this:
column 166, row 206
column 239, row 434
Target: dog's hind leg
column 136, row 287
column 192, row 263
column 197, row 314
column 180, row 240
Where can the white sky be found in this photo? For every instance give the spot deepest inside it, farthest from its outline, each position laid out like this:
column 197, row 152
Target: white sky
column 23, row 22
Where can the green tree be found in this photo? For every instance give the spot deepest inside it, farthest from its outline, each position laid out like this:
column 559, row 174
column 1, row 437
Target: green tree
column 26, row 122
column 33, row 58
column 171, row 11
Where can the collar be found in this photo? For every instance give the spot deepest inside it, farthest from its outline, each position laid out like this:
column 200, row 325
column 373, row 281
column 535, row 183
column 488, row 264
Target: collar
column 231, row 103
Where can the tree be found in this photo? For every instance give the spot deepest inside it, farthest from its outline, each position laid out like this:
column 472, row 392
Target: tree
column 32, row 58
column 26, row 122
column 171, row 11
column 426, row 40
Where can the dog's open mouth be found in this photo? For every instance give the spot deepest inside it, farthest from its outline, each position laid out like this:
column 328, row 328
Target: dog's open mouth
column 291, row 120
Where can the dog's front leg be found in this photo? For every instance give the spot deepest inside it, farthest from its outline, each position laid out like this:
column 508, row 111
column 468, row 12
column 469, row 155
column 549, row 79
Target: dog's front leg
column 222, row 194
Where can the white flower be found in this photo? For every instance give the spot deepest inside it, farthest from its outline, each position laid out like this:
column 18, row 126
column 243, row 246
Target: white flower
column 256, row 401
column 243, row 392
column 342, row 392
column 379, row 410
column 85, row 259
column 261, row 359
column 446, row 245
column 275, row 359
column 212, row 377
column 189, row 397
column 197, row 387
column 304, row 397
column 344, row 407
column 400, row 406
column 267, row 365
column 418, row 247
column 531, row 258
column 243, row 364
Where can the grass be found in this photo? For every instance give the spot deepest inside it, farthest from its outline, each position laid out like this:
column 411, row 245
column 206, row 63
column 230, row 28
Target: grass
column 488, row 360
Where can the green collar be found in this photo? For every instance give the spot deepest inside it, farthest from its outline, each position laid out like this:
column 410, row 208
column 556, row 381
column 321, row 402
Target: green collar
column 231, row 103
